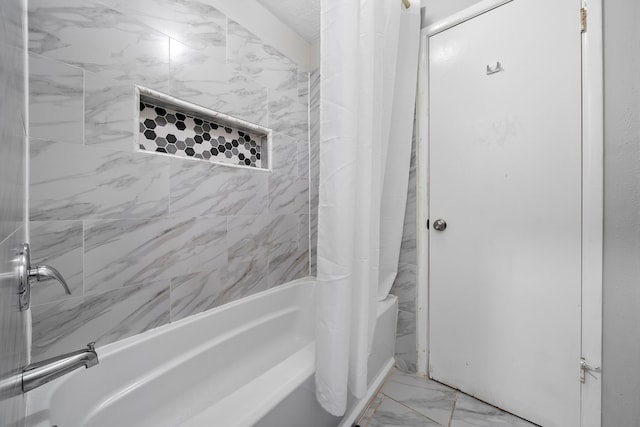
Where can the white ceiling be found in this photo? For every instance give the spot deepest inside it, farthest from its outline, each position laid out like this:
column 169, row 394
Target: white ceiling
column 303, row 16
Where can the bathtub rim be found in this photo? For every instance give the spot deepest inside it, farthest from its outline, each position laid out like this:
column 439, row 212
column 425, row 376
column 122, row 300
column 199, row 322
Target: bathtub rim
column 114, row 347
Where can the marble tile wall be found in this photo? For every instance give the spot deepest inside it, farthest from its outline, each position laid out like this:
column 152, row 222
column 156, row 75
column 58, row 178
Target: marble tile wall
column 314, row 161
column 143, row 239
column 13, row 354
column 405, row 285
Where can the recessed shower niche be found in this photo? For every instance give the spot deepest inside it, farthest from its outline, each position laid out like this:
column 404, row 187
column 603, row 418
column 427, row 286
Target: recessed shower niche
column 175, row 127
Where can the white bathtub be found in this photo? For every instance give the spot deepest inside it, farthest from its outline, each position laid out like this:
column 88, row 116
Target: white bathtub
column 248, row 363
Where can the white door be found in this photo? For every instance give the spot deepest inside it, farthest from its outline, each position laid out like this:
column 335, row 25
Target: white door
column 505, row 175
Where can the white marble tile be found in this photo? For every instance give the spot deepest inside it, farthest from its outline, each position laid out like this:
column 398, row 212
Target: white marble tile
column 72, row 181
column 194, row 293
column 125, row 252
column 304, row 236
column 303, row 87
column 110, row 113
column 13, row 351
column 11, row 22
column 202, row 188
column 406, row 353
column 404, row 287
column 207, row 80
column 87, row 34
column 287, row 262
column 472, row 412
column 246, row 277
column 250, row 55
column 288, row 195
column 408, row 254
column 104, row 318
column 370, row 411
column 248, row 236
column 288, row 116
column 313, row 221
column 56, row 93
column 284, row 155
column 314, row 140
column 303, row 159
column 13, row 348
column 58, row 244
column 393, row 414
column 429, row 398
column 195, row 23
column 12, row 131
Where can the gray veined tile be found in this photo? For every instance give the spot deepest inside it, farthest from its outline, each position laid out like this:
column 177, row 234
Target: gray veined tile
column 207, row 80
column 56, row 93
column 110, row 113
column 284, row 155
column 304, row 232
column 405, row 352
column 104, row 318
column 287, row 262
column 303, row 159
column 87, row 34
column 58, row 244
column 429, row 398
column 202, row 188
column 195, row 23
column 408, row 252
column 248, row 236
column 197, row 292
column 125, row 252
column 370, row 411
column 288, row 116
column 314, row 89
column 392, row 414
column 11, row 22
column 72, row 181
column 313, row 241
column 246, row 277
column 12, row 134
column 259, row 61
column 288, row 195
column 255, row 236
column 472, row 412
column 303, row 87
column 404, row 287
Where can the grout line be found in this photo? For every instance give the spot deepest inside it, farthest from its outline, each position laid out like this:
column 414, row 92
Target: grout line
column 453, row 409
column 412, row 409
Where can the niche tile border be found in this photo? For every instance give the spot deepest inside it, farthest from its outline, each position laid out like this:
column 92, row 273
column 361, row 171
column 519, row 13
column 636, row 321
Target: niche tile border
column 177, row 128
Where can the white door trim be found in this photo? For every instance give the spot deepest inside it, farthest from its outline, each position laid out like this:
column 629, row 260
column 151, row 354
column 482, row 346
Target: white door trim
column 592, row 197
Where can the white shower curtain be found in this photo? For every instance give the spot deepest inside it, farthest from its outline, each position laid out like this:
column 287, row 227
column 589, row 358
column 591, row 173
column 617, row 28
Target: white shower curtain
column 368, row 79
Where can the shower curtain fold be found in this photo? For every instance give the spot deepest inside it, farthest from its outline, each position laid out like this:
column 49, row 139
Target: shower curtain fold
column 368, row 75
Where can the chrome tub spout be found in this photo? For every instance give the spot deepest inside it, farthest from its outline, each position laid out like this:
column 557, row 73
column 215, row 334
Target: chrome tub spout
column 40, row 373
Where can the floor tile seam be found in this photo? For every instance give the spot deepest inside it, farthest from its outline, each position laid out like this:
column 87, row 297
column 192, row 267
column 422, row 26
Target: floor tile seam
column 453, row 409
column 375, row 410
column 411, row 409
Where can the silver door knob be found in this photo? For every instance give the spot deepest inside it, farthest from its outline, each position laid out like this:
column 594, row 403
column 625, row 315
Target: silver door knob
column 439, row 224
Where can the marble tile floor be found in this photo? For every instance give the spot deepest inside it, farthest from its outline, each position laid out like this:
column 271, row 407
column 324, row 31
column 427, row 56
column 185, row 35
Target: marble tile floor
column 411, row 401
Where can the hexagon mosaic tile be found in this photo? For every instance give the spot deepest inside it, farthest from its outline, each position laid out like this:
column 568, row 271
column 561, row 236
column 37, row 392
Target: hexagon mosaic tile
column 163, row 130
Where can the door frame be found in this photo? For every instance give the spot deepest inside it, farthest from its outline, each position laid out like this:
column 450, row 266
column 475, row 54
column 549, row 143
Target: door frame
column 592, row 197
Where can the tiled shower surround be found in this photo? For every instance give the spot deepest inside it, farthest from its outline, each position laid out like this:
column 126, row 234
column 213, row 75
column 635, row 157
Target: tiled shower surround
column 13, row 346
column 168, row 131
column 145, row 239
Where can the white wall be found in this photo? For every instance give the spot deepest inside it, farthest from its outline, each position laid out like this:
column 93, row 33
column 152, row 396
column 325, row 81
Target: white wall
column 437, row 10
column 621, row 358
column 251, row 14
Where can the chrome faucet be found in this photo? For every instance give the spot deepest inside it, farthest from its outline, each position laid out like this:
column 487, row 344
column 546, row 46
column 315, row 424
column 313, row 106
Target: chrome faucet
column 41, row 272
column 40, row 373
